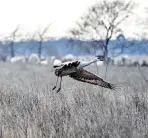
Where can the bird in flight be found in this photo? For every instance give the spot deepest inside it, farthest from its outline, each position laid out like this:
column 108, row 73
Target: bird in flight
column 76, row 71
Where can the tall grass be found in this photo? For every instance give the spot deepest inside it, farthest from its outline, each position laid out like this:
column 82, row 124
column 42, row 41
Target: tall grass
column 30, row 109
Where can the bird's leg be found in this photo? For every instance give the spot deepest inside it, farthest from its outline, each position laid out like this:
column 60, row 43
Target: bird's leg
column 56, row 84
column 60, row 85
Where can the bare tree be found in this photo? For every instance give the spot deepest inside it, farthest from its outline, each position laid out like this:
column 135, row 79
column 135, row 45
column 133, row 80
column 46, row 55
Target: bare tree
column 41, row 38
column 103, row 22
column 11, row 40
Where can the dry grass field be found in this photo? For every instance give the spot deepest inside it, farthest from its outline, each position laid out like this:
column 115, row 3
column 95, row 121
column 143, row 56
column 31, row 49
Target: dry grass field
column 30, row 109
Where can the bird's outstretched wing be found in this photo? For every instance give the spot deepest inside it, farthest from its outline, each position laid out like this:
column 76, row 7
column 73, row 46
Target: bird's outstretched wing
column 88, row 77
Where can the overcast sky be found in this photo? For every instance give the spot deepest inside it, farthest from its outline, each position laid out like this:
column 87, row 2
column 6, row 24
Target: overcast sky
column 32, row 14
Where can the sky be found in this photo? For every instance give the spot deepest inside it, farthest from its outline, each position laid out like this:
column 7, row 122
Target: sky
column 32, row 15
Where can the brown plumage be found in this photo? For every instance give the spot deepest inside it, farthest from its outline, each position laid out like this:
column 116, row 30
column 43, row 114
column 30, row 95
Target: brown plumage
column 80, row 74
column 88, row 77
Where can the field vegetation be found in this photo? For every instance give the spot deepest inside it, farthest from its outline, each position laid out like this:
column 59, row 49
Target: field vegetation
column 30, row 109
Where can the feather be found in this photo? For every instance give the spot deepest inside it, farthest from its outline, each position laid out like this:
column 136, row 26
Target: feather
column 88, row 77
column 84, row 64
column 65, row 70
column 70, row 64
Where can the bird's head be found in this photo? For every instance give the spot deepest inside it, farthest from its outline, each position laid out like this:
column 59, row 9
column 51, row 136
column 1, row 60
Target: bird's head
column 101, row 58
column 57, row 63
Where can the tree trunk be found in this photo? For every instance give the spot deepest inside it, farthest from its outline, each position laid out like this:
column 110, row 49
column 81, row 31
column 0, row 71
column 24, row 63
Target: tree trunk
column 106, row 54
column 40, row 49
column 12, row 53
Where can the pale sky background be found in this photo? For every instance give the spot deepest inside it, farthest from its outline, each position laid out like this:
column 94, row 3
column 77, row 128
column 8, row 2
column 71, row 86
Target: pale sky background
column 33, row 14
